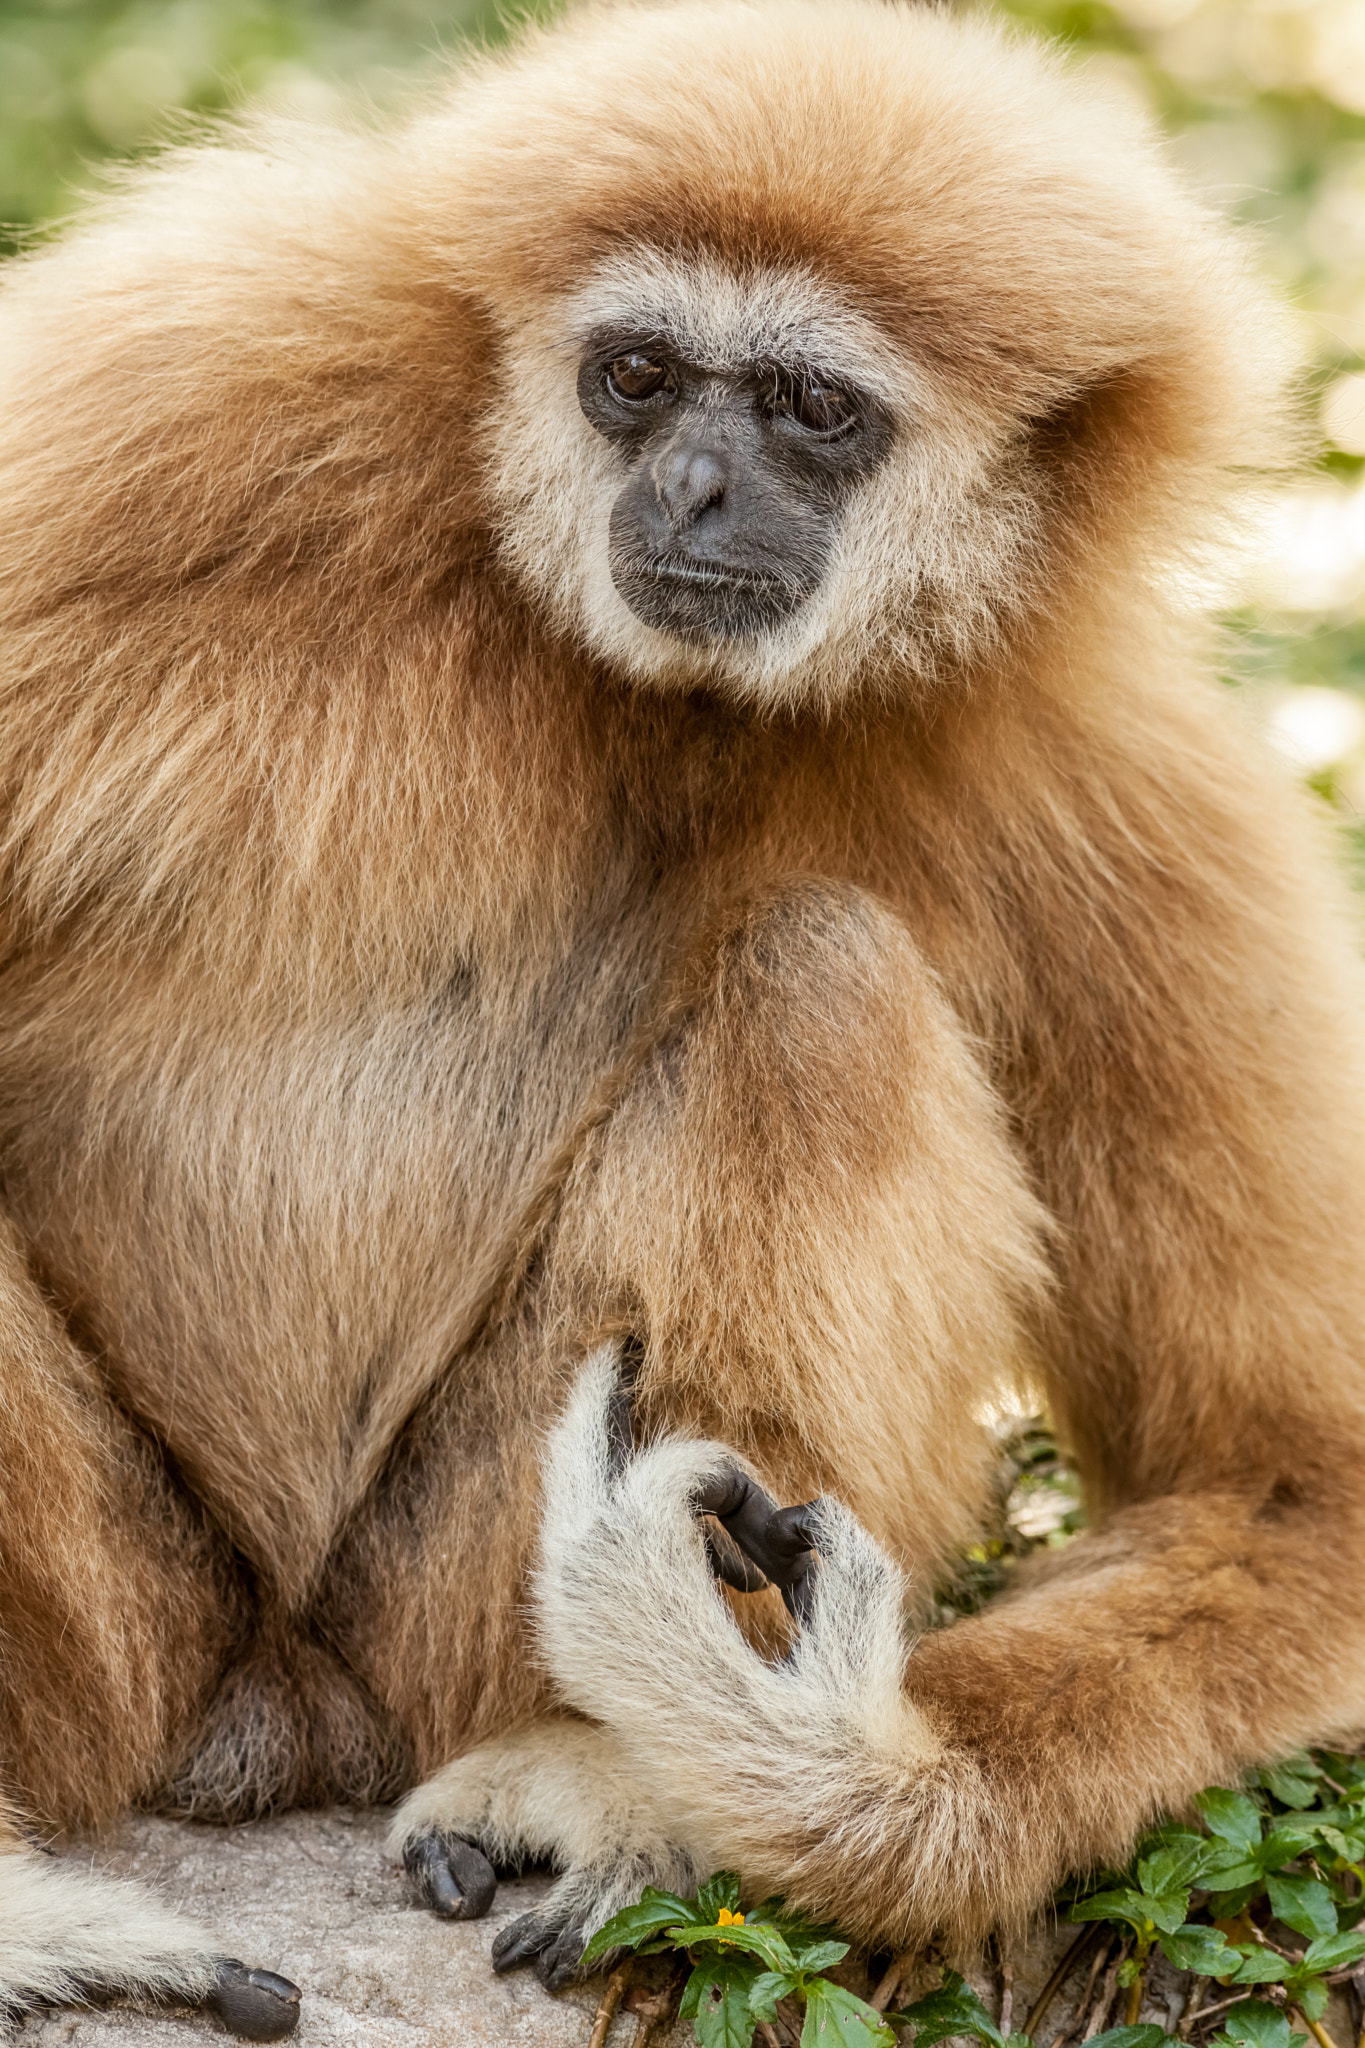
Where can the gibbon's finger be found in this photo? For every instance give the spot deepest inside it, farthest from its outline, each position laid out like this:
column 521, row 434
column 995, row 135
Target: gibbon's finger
column 728, row 1562
column 557, row 1965
column 780, row 1541
column 256, row 2005
column 452, row 1877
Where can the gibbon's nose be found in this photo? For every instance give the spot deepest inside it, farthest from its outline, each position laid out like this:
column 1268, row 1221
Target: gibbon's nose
column 688, row 481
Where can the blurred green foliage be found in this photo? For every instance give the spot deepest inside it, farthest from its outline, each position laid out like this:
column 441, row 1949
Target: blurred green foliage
column 1264, row 101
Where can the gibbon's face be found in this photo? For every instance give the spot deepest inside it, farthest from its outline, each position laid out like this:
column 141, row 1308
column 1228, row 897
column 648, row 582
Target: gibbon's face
column 731, row 477
column 837, row 346
column 735, row 480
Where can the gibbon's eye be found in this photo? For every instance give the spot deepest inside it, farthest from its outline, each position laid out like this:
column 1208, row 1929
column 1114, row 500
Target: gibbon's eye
column 636, row 376
column 818, row 407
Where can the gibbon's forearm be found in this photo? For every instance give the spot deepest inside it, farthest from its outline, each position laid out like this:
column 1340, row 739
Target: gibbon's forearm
column 938, row 1788
column 816, row 1139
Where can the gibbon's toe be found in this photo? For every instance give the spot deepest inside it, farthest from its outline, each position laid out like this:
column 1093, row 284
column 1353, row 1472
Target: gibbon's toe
column 544, row 1941
column 777, row 1543
column 454, row 1878
column 256, row 2005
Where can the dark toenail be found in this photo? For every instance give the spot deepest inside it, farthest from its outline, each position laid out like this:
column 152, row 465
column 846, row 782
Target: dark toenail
column 256, row 2005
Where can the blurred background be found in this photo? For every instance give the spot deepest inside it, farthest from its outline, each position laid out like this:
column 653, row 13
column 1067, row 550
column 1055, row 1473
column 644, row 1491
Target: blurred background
column 1264, row 101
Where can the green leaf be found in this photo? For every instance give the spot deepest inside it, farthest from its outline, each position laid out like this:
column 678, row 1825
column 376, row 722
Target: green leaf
column 1349, row 1845
column 835, row 2018
column 1129, row 2037
column 1334, row 1951
column 1257, row 1966
column 954, row 2009
column 717, row 2002
column 1193, row 1947
column 1228, row 1884
column 768, row 1986
column 1254, row 2024
column 1294, row 1782
column 1172, row 1869
column 634, row 1924
column 1128, row 1906
column 1287, row 1839
column 720, row 1889
column 822, row 1955
column 762, row 1941
column 1231, row 1816
column 1311, row 1995
column 1303, row 1903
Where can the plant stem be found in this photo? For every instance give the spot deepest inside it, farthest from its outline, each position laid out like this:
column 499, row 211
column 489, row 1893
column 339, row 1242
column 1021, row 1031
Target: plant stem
column 1198, row 1993
column 1060, row 1974
column 1135, row 1991
column 1099, row 2011
column 606, row 2011
column 891, row 1982
column 1320, row 2034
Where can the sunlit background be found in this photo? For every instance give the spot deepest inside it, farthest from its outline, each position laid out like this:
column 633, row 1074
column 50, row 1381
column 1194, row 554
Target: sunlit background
column 1264, row 100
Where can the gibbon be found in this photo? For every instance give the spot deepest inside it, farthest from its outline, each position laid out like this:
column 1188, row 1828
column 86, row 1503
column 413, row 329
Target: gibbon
column 628, row 896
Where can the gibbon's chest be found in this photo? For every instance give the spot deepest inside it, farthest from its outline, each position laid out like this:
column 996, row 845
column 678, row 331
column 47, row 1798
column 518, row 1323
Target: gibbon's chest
column 274, row 1230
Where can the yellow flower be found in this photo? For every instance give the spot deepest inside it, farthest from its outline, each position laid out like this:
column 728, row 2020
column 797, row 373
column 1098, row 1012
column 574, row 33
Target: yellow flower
column 725, row 1918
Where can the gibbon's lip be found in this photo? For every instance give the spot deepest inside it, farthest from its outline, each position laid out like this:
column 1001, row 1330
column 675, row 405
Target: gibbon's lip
column 703, row 602
column 701, row 575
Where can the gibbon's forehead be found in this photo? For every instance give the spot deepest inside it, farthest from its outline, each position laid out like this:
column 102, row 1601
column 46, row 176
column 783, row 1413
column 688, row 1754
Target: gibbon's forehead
column 1008, row 224
column 727, row 318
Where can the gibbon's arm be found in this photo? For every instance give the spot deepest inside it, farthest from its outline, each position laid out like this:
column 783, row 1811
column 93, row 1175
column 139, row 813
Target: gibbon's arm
column 1203, row 1143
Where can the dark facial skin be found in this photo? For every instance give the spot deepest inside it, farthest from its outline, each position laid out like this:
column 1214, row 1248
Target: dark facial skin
column 726, row 522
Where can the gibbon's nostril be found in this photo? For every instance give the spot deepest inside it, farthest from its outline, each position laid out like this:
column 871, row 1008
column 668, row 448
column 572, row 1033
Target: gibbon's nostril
column 688, row 480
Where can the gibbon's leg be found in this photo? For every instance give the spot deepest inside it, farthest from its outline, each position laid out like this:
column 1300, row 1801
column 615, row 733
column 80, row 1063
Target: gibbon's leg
column 805, row 1220
column 113, row 1628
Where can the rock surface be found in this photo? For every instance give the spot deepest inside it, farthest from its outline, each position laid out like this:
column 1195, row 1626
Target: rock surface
column 316, row 1897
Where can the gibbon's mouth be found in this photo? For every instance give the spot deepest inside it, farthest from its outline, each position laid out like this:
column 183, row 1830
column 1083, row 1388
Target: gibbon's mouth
column 697, row 600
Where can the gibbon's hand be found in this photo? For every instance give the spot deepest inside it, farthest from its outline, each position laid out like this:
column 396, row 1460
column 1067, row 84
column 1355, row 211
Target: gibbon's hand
column 768, row 1545
column 624, row 1570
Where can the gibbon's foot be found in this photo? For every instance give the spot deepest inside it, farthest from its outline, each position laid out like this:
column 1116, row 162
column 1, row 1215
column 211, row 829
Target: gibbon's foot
column 545, row 1940
column 451, row 1876
column 553, row 1938
column 255, row 2005
column 559, row 1789
column 70, row 1937
column 769, row 1545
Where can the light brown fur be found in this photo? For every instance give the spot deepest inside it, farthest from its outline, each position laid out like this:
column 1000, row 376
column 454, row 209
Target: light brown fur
column 400, row 993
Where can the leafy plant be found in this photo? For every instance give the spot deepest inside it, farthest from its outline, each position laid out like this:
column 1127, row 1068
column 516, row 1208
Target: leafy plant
column 1265, row 1891
column 1283, row 1854
column 743, row 1963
